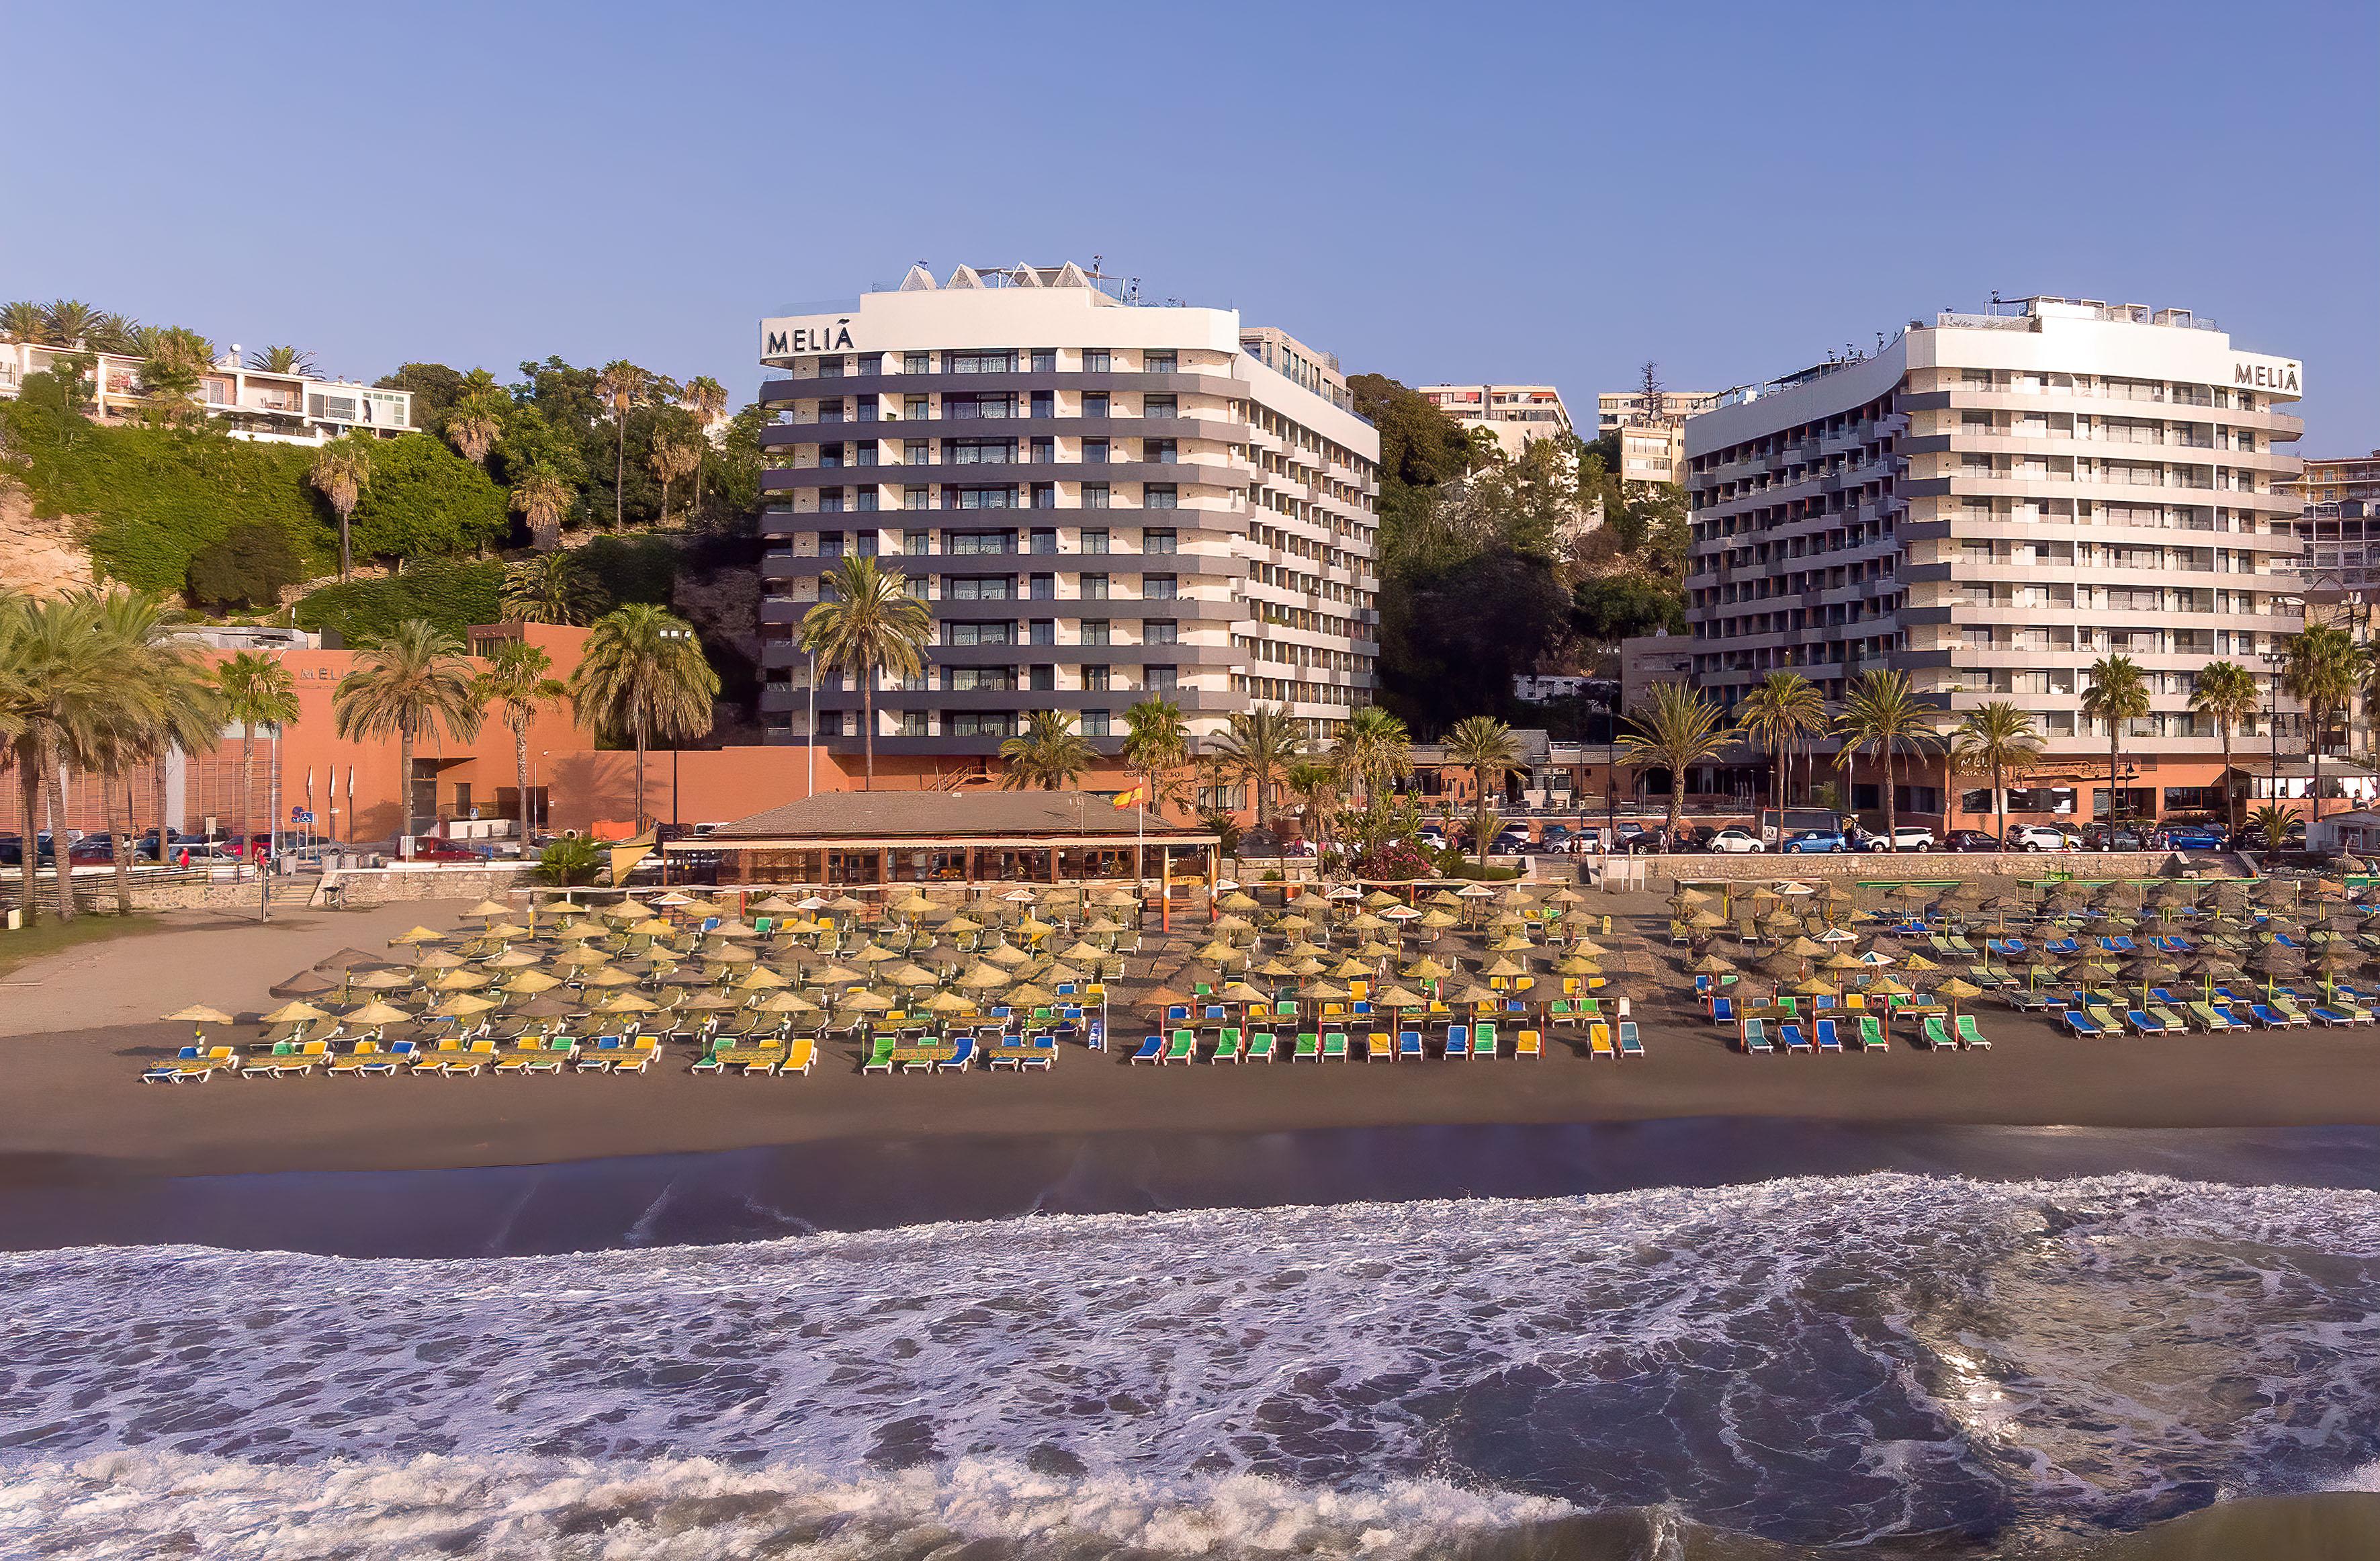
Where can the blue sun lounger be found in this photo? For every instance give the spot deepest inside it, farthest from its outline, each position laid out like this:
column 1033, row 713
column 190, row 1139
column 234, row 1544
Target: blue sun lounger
column 1827, row 1039
column 1791, row 1033
column 1755, row 1035
column 2270, row 1017
column 2335, row 1017
column 1151, row 1050
column 1458, row 1040
column 1630, row 1044
column 1722, row 1011
column 2080, row 1022
column 1409, row 1045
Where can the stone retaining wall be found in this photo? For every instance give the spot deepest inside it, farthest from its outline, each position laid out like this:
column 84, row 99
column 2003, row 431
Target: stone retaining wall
column 379, row 886
column 1937, row 864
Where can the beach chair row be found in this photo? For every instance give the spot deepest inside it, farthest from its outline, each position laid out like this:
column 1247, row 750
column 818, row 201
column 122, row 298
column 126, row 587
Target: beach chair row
column 1454, row 1042
column 2224, row 1011
column 370, row 1058
column 1872, row 1033
column 996, row 1050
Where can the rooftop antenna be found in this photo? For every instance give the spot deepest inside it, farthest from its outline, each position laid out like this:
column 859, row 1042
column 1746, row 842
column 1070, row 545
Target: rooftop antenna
column 1095, row 263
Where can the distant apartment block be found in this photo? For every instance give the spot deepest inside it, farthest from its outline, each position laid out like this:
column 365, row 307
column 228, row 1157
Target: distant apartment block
column 1100, row 501
column 1514, row 414
column 2345, row 477
column 280, row 408
column 1651, row 437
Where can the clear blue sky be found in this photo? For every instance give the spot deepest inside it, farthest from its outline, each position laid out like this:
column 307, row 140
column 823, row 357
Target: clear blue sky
column 1431, row 192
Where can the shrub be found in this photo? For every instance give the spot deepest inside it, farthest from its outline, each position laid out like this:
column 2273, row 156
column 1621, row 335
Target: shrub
column 426, row 501
column 1397, row 861
column 451, row 595
column 249, row 567
column 569, row 862
column 633, row 568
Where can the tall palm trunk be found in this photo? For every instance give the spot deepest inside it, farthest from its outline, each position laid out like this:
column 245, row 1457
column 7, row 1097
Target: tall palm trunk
column 520, row 776
column 2313, row 784
column 2000, row 807
column 620, row 477
column 29, row 794
column 247, row 784
column 120, row 843
column 2230, row 788
column 60, row 857
column 868, row 719
column 641, row 772
column 2114, row 733
column 1890, row 843
column 404, row 788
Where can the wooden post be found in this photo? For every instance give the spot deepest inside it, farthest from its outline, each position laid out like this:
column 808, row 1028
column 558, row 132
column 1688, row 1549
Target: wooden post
column 1165, row 889
column 884, row 864
column 970, row 864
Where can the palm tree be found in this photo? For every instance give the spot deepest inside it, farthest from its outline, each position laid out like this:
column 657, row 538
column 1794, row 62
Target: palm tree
column 2273, row 821
column 410, row 685
column 705, row 398
column 621, row 386
column 341, row 469
column 1486, row 747
column 1784, row 710
column 867, row 621
column 1374, row 750
column 2323, row 669
column 1996, row 739
column 552, row 588
column 66, row 322
column 672, row 459
column 1316, row 784
column 1676, row 730
column 475, row 422
column 2225, row 694
column 1257, row 746
column 21, row 321
column 1156, row 744
column 164, row 699
column 519, row 683
column 1049, row 754
column 281, row 361
column 59, row 687
column 1884, row 716
column 113, row 332
column 642, row 674
column 2117, row 693
column 255, row 691
column 541, row 497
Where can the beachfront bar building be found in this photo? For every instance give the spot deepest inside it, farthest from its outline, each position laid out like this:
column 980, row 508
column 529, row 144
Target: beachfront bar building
column 1990, row 503
column 1100, row 501
column 969, row 837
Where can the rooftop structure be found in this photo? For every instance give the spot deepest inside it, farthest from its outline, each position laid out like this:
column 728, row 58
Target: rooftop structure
column 1514, row 414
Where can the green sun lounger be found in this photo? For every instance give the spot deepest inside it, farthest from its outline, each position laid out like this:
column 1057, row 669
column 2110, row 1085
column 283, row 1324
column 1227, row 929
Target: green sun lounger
column 1334, row 1046
column 1181, row 1046
column 1227, row 1045
column 1483, row 1040
column 1871, row 1034
column 1263, row 1045
column 1971, row 1037
column 879, row 1055
column 1937, row 1037
column 1309, row 1047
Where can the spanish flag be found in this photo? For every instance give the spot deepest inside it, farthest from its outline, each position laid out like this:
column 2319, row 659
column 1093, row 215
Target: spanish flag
column 1132, row 798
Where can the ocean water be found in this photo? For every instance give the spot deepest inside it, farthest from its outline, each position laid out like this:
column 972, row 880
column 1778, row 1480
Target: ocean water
column 1882, row 1364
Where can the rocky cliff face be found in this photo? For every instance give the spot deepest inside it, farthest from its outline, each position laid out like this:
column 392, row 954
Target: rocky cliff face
column 38, row 558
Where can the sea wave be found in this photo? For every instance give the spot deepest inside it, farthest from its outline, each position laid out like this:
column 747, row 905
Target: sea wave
column 1812, row 1361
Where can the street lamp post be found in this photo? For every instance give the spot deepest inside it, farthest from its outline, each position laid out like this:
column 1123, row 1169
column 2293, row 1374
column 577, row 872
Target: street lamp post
column 2273, row 661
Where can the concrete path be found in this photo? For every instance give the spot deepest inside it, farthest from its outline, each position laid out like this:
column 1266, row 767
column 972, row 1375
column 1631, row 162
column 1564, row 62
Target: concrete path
column 226, row 962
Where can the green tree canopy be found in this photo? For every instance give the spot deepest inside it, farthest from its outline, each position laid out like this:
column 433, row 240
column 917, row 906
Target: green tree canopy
column 424, row 500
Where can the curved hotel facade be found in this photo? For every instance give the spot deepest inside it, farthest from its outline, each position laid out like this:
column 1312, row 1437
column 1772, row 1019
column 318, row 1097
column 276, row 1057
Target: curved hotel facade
column 1993, row 503
column 1100, row 501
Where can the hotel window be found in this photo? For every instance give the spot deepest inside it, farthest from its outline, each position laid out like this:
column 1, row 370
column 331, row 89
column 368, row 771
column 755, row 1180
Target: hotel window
column 1165, row 452
column 1159, row 407
column 975, row 544
column 1158, row 587
column 1045, row 542
column 863, row 452
column 1044, row 587
column 1158, row 540
column 1043, row 404
column 863, row 498
column 1095, row 451
column 979, row 452
column 917, row 451
column 1159, row 362
column 979, row 680
column 1094, row 404
column 1095, row 495
column 1094, row 541
column 978, row 588
column 864, row 542
column 916, row 544
column 979, row 723
column 830, row 723
column 831, row 501
column 831, row 368
column 1043, row 631
column 1095, row 679
column 1160, row 631
column 916, row 363
column 830, row 454
column 830, row 410
column 980, row 363
column 914, row 724
column 916, row 408
column 1042, row 678
column 985, row 498
column 1095, row 588
column 1096, row 632
column 1045, row 495
column 1042, row 451
column 964, row 634
column 1160, row 680
column 1096, row 723
column 1161, row 496
column 1045, row 361
column 914, row 498
column 1095, row 360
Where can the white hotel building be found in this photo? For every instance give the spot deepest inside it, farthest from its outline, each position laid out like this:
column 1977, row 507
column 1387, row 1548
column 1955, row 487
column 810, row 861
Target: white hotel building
column 1100, row 501
column 1991, row 504
column 251, row 403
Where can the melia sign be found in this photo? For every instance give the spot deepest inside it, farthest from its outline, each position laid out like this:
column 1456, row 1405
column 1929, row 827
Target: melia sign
column 2275, row 375
column 779, row 338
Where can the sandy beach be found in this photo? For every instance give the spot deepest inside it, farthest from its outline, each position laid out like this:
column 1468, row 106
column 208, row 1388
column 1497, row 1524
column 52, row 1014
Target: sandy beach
column 75, row 1032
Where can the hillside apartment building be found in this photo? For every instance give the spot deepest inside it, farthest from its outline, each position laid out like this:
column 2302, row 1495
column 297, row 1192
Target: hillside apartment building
column 1099, row 500
column 1514, row 414
column 251, row 403
column 1992, row 503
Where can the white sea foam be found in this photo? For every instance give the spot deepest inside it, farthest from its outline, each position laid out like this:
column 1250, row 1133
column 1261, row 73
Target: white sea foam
column 1815, row 1361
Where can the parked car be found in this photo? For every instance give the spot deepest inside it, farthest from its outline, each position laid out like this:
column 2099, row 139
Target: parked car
column 2193, row 837
column 2250, row 838
column 426, row 849
column 1583, row 840
column 1634, row 840
column 2119, row 837
column 1434, row 838
column 1554, row 838
column 1734, row 842
column 2039, row 837
column 1969, row 840
column 1807, row 841
column 1903, row 837
column 92, row 849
